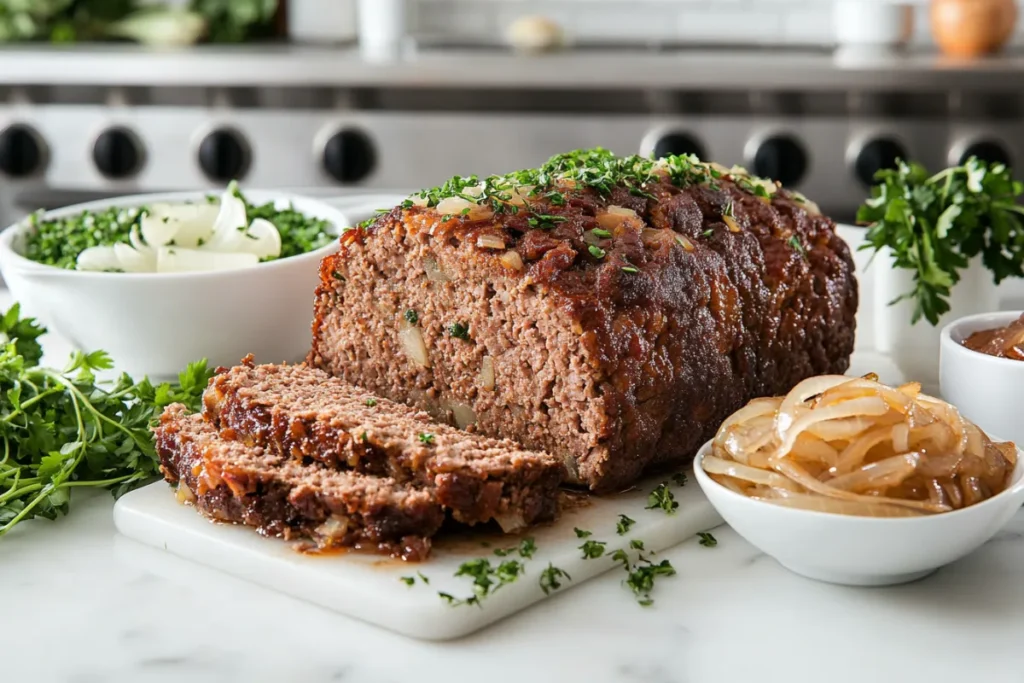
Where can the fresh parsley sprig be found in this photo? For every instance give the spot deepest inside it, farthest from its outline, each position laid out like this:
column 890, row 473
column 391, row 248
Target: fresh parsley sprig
column 62, row 429
column 935, row 224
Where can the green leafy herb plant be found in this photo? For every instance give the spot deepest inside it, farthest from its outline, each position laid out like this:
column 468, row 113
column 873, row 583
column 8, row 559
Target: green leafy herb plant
column 935, row 224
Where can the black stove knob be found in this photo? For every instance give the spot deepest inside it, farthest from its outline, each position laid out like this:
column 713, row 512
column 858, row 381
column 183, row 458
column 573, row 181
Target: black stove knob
column 224, row 155
column 989, row 151
column 781, row 158
column 21, row 152
column 677, row 142
column 349, row 156
column 876, row 155
column 117, row 153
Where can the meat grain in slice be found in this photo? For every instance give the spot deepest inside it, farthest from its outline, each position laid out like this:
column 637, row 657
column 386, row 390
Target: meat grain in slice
column 611, row 311
column 309, row 415
column 233, row 482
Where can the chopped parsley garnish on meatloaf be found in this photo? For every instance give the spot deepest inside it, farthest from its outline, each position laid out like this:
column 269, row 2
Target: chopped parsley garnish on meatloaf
column 371, row 402
column 425, row 438
column 459, row 330
column 794, row 242
column 596, row 168
column 412, row 317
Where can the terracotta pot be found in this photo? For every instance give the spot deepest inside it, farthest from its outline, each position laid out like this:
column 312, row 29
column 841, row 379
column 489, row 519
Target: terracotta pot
column 972, row 28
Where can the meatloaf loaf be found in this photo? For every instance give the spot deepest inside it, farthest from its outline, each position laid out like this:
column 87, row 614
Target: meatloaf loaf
column 233, row 482
column 612, row 311
column 304, row 413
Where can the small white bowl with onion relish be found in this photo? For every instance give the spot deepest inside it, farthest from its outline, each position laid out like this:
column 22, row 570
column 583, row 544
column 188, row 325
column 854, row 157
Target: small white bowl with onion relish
column 848, row 481
column 200, row 276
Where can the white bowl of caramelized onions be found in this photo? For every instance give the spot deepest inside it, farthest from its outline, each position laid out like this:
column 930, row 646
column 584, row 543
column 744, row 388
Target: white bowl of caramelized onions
column 850, row 481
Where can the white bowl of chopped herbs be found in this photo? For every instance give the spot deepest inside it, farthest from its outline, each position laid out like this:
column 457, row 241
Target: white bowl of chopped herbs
column 105, row 275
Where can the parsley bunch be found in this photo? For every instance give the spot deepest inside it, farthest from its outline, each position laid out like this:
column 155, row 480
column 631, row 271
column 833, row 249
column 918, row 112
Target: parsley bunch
column 934, row 225
column 62, row 429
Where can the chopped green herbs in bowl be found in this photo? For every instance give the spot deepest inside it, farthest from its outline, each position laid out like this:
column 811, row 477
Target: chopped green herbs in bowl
column 165, row 304
column 197, row 234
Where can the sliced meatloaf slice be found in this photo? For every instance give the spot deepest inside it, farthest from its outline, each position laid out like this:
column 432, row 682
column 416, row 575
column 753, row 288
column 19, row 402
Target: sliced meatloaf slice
column 232, row 482
column 307, row 414
column 611, row 311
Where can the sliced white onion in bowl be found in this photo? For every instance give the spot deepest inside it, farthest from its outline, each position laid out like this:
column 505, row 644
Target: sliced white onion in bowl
column 133, row 261
column 181, row 260
column 158, row 229
column 140, row 245
column 195, row 223
column 230, row 224
column 98, row 259
column 262, row 239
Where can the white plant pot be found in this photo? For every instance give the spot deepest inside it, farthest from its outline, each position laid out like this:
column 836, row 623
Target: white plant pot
column 322, row 21
column 915, row 348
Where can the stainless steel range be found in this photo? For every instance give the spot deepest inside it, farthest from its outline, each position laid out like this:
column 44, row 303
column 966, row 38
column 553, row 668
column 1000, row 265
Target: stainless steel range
column 86, row 122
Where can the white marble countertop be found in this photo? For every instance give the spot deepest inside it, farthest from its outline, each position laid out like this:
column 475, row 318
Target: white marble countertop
column 82, row 604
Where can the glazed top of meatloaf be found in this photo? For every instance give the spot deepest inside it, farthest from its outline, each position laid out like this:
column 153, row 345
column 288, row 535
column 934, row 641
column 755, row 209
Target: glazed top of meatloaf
column 603, row 230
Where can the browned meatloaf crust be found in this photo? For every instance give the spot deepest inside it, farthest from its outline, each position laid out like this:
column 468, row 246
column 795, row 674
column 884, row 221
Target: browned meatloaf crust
column 619, row 348
column 231, row 482
column 307, row 414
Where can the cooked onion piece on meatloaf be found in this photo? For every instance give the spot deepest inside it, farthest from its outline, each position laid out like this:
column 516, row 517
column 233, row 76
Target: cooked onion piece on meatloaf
column 612, row 311
column 232, row 482
column 307, row 414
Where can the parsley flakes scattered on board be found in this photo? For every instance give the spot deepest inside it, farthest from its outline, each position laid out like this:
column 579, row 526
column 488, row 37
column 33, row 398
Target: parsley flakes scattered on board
column 662, row 497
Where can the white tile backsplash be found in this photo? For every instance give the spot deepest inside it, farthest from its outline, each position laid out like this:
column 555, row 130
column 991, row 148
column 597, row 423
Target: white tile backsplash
column 760, row 22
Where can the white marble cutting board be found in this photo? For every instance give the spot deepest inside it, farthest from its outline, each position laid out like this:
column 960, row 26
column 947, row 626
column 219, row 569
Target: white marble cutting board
column 370, row 588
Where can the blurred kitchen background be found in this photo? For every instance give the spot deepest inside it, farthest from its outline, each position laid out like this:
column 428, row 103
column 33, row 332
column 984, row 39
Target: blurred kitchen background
column 105, row 97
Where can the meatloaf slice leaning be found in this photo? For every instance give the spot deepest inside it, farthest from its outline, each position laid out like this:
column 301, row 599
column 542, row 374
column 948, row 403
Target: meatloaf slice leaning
column 232, row 482
column 307, row 414
column 612, row 311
